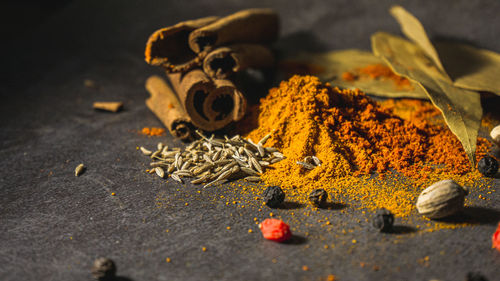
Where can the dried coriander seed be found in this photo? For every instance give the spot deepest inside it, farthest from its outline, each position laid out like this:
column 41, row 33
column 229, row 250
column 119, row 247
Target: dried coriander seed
column 318, row 197
column 273, row 196
column 213, row 161
column 79, row 170
column 488, row 166
column 252, row 179
column 159, row 171
column 104, row 269
column 383, row 220
column 145, row 151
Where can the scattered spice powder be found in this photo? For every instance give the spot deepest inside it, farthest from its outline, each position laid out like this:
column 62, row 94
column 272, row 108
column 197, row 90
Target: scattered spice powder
column 331, row 277
column 377, row 71
column 153, row 131
column 355, row 137
column 348, row 76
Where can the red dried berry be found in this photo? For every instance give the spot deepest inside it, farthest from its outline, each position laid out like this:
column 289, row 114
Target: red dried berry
column 275, row 230
column 496, row 238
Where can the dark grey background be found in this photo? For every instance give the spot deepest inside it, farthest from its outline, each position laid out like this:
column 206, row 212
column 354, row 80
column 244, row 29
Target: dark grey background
column 53, row 225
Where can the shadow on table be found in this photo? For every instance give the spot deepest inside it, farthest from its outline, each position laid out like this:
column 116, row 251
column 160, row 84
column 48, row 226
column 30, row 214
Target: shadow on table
column 289, row 205
column 402, row 229
column 335, row 206
column 120, row 278
column 475, row 215
column 296, row 240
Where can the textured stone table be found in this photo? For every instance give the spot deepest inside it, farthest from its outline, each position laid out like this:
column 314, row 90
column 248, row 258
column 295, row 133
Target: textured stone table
column 53, row 225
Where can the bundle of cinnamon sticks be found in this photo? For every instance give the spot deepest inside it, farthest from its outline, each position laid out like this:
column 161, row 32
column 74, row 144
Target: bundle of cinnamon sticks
column 200, row 58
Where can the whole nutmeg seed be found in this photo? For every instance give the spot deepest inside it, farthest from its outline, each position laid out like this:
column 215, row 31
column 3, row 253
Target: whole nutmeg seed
column 103, row 269
column 495, row 135
column 441, row 199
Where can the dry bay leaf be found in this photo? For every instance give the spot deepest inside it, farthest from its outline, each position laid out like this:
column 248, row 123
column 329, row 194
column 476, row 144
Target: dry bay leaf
column 471, row 68
column 414, row 30
column 468, row 67
column 461, row 108
column 330, row 66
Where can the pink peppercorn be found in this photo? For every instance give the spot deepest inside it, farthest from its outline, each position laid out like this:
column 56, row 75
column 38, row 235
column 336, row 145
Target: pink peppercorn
column 275, row 230
column 496, row 238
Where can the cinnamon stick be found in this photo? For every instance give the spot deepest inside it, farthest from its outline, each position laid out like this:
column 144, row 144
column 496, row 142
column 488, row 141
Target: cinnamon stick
column 222, row 62
column 169, row 48
column 111, row 106
column 165, row 104
column 210, row 103
column 247, row 26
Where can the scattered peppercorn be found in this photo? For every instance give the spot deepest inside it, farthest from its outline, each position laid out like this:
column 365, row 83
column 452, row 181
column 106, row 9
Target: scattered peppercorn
column 104, row 269
column 318, row 197
column 488, row 166
column 496, row 238
column 275, row 230
column 475, row 276
column 273, row 196
column 383, row 220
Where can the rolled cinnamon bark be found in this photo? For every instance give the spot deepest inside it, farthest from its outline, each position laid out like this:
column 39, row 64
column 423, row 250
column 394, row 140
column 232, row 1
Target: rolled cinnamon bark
column 165, row 104
column 211, row 104
column 222, row 62
column 168, row 47
column 247, row 26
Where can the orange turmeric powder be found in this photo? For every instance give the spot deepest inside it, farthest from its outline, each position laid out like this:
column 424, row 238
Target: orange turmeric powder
column 153, row 131
column 355, row 137
column 377, row 71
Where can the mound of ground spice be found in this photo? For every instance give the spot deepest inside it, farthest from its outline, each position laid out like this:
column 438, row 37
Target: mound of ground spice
column 356, row 137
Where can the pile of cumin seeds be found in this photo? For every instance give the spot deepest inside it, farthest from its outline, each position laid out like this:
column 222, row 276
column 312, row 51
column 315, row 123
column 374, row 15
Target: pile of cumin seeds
column 213, row 160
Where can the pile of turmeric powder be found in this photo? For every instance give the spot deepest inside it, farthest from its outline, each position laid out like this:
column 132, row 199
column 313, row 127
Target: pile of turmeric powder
column 355, row 138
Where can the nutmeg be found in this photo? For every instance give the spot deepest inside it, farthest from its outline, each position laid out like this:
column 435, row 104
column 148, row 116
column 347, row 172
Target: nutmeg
column 441, row 199
column 495, row 135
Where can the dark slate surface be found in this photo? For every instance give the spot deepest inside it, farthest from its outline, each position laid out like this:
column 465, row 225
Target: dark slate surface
column 53, row 225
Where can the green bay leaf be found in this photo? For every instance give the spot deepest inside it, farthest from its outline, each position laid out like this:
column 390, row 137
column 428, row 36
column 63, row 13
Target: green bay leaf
column 461, row 108
column 330, row 66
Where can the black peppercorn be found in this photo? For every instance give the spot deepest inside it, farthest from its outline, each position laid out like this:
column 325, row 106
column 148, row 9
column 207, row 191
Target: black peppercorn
column 488, row 166
column 383, row 220
column 104, row 269
column 274, row 196
column 475, row 276
column 318, row 197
